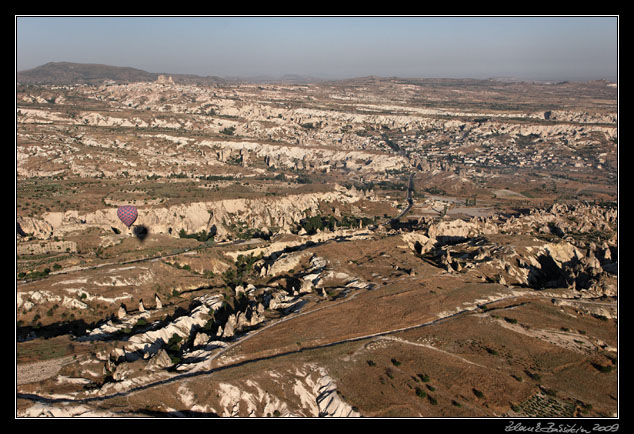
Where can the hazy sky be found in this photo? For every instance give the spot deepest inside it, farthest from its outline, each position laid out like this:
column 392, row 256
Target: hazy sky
column 540, row 48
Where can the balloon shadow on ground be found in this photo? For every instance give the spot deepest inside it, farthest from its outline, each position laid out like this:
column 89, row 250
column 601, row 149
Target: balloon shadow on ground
column 141, row 232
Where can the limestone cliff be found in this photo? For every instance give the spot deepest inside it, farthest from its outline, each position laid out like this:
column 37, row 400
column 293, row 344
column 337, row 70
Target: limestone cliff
column 264, row 213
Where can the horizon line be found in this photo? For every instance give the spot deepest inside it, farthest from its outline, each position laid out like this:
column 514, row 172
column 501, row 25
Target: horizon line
column 333, row 76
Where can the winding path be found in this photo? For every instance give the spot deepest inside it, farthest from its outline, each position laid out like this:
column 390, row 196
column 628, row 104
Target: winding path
column 209, row 370
column 410, row 199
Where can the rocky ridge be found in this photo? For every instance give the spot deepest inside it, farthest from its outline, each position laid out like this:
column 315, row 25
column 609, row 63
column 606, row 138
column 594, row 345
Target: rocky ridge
column 274, row 134
column 547, row 254
column 170, row 356
column 571, row 246
column 282, row 213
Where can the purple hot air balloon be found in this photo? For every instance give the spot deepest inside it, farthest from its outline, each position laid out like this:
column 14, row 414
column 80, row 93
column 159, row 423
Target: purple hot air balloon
column 127, row 214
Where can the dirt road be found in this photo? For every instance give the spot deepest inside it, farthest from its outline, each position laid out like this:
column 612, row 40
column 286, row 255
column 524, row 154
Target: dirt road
column 38, row 371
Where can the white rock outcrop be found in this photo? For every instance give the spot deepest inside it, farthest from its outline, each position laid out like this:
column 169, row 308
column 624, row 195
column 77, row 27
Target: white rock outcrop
column 281, row 212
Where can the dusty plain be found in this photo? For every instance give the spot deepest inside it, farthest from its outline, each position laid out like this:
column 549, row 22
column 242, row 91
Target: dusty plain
column 270, row 277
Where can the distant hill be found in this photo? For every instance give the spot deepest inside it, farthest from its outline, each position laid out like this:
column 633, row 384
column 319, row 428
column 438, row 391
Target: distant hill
column 88, row 73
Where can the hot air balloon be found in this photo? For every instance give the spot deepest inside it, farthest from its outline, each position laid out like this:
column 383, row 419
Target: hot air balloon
column 127, row 214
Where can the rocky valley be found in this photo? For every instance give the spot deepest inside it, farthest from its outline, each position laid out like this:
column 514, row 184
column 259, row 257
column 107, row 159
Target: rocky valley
column 377, row 247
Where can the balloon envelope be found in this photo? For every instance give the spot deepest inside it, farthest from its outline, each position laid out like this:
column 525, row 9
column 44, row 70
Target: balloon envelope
column 127, row 214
